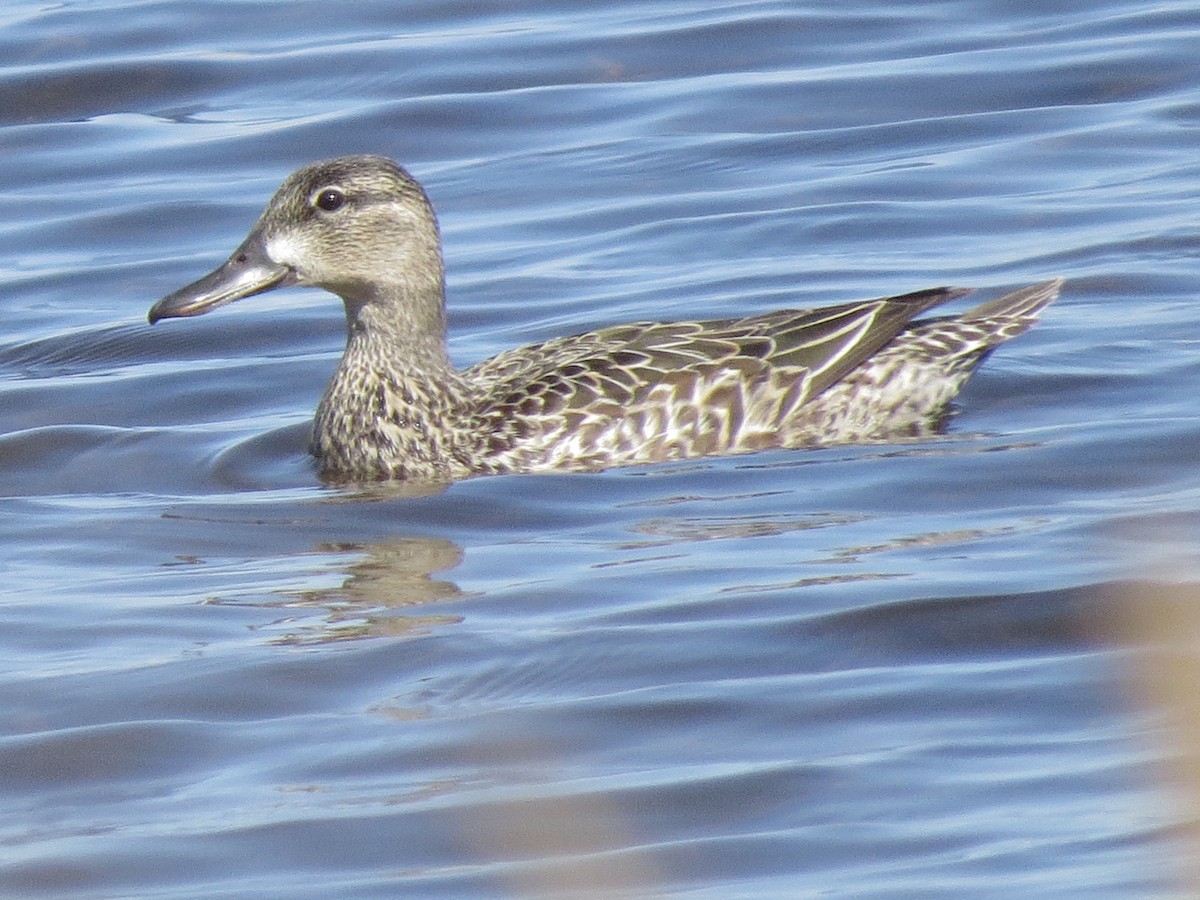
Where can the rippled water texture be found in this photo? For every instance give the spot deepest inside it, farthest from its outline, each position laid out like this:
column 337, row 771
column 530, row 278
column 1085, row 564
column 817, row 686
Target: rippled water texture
column 910, row 670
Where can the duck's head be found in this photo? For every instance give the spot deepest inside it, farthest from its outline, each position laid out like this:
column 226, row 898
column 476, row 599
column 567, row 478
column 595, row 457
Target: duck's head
column 359, row 226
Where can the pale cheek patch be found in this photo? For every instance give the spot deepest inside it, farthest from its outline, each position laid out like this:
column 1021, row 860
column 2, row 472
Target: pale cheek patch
column 284, row 250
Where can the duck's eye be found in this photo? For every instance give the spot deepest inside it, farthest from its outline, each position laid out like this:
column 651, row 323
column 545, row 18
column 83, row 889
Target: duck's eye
column 329, row 199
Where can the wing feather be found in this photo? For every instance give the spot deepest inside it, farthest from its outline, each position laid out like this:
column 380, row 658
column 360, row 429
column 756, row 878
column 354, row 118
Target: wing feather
column 672, row 389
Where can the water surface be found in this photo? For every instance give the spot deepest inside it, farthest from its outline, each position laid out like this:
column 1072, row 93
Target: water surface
column 888, row 671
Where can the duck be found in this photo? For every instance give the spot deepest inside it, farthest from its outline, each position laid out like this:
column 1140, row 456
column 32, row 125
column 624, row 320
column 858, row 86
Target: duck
column 397, row 408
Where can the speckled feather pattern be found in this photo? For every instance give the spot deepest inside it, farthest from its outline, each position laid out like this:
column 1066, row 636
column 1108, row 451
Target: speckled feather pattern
column 637, row 393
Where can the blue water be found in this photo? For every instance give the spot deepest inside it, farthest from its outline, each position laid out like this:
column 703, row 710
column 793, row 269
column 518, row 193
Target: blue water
column 914, row 670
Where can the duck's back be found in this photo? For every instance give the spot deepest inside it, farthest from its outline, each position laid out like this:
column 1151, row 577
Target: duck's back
column 653, row 391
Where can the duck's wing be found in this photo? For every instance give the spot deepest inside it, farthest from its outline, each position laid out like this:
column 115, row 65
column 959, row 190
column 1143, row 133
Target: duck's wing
column 711, row 380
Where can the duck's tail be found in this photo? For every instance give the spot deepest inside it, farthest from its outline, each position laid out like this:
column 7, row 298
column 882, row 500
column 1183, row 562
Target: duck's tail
column 1012, row 314
column 957, row 345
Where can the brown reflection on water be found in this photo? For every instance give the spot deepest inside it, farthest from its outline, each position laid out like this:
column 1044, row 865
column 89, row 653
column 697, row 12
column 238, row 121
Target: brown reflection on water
column 392, row 576
column 923, row 540
column 692, row 529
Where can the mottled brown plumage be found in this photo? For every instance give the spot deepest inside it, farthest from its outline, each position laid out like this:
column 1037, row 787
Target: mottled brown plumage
column 363, row 228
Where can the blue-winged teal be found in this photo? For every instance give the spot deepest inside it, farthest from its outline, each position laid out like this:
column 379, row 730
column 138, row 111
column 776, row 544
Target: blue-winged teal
column 363, row 228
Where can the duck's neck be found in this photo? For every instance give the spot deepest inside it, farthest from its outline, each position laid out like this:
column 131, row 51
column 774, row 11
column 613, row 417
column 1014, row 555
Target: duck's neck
column 393, row 406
